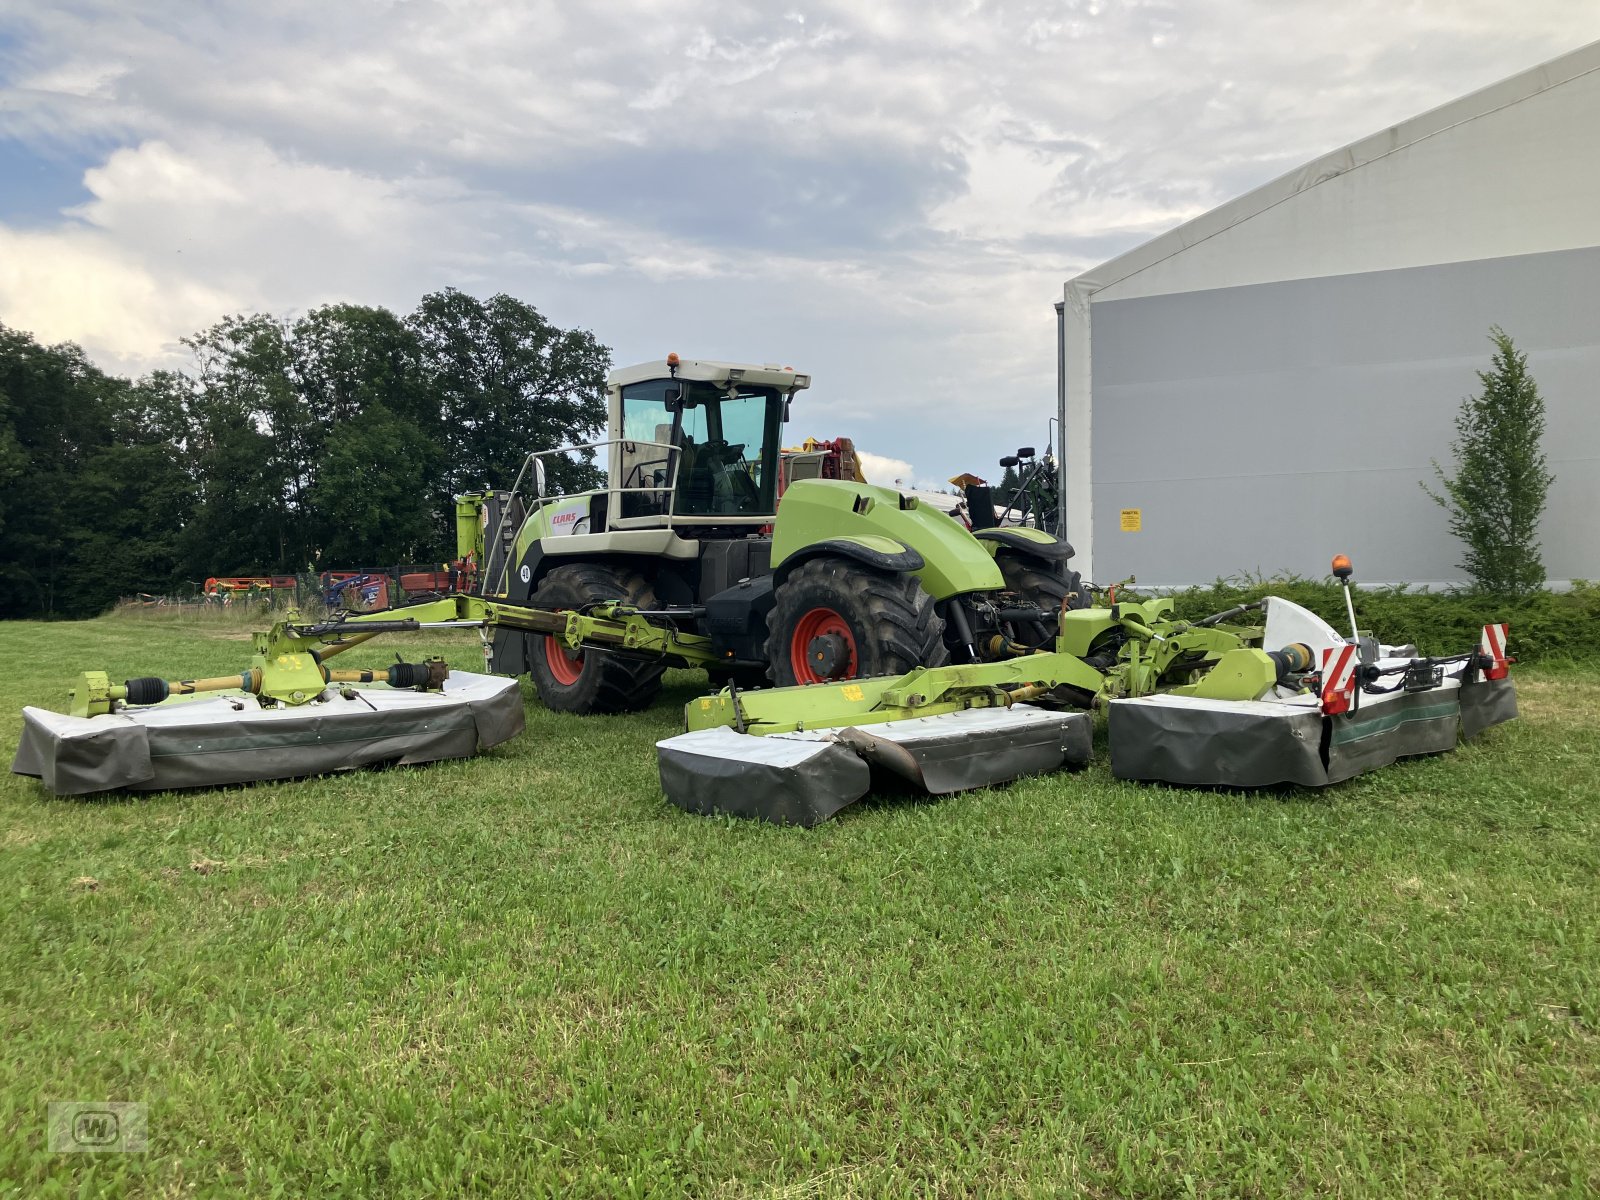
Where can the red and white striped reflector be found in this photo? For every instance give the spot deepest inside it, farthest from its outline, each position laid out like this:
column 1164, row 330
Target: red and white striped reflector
column 1493, row 647
column 1338, row 679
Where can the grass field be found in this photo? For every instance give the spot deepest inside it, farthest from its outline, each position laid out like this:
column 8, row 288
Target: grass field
column 528, row 974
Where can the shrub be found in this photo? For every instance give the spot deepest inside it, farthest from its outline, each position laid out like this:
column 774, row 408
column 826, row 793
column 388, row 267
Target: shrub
column 1545, row 626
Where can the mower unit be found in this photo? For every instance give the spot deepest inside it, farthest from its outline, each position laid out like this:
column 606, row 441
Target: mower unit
column 1205, row 702
column 288, row 716
column 1200, row 704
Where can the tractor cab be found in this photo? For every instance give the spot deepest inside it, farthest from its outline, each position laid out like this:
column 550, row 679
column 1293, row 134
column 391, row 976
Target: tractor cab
column 691, row 458
column 696, row 443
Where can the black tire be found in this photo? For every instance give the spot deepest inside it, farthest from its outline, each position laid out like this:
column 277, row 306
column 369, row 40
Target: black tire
column 594, row 681
column 1043, row 586
column 890, row 620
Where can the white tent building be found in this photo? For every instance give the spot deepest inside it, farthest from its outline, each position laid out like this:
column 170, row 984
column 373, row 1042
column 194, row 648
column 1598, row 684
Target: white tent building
column 1267, row 384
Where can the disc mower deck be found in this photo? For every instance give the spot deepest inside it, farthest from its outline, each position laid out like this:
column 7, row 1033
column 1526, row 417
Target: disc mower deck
column 1200, row 703
column 230, row 738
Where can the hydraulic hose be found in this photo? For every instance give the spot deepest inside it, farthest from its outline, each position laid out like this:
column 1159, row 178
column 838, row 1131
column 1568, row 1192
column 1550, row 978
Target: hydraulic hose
column 1228, row 614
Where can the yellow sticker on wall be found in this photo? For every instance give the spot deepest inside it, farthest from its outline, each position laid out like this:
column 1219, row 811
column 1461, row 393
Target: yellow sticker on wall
column 1132, row 519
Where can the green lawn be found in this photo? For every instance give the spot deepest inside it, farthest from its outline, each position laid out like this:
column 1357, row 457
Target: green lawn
column 529, row 974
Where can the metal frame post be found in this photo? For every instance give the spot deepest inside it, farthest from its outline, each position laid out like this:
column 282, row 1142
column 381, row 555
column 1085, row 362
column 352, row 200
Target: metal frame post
column 1061, row 419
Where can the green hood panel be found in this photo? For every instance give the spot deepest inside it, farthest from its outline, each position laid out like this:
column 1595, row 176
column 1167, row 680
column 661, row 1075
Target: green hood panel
column 814, row 510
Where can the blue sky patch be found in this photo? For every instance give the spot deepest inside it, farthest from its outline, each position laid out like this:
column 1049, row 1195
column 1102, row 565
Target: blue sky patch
column 35, row 187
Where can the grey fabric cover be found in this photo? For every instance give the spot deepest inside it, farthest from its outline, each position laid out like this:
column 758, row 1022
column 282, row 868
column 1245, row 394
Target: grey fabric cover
column 231, row 739
column 1246, row 744
column 73, row 757
column 977, row 748
column 1249, row 744
column 785, row 780
column 1406, row 726
column 805, row 778
column 1487, row 702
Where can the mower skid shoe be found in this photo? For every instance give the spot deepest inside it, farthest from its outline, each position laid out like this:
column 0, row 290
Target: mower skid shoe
column 805, row 778
column 230, row 739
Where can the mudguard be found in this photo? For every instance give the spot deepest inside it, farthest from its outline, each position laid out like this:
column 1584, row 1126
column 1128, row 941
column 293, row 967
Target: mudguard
column 880, row 553
column 1025, row 541
column 814, row 511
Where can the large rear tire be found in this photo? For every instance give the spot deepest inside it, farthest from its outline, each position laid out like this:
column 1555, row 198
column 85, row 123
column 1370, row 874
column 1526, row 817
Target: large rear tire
column 591, row 682
column 1042, row 586
column 836, row 619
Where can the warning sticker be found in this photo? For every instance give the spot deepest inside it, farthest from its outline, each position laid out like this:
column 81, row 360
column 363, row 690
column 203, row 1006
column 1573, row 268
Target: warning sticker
column 1132, row 520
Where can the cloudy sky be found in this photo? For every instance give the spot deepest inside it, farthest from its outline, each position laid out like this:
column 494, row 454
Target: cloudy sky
column 886, row 193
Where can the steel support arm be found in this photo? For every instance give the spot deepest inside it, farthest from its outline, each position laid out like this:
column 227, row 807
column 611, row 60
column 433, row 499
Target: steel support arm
column 606, row 626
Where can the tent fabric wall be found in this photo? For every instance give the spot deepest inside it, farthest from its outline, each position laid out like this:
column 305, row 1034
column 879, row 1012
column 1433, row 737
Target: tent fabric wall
column 1507, row 175
column 1263, row 429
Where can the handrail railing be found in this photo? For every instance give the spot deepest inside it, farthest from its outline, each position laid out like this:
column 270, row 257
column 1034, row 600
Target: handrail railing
column 505, row 536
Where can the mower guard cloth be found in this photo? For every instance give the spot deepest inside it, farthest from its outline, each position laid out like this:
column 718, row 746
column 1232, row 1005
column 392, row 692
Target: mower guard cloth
column 785, row 780
column 805, row 778
column 231, row 739
column 1247, row 744
column 1485, row 703
column 977, row 748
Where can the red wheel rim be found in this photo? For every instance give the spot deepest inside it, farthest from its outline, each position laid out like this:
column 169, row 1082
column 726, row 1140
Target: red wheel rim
column 566, row 668
column 820, row 622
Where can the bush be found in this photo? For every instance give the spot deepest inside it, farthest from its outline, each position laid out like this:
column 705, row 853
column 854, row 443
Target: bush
column 1545, row 626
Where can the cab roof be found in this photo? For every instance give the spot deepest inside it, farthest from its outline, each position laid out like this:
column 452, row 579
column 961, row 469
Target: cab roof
column 703, row 370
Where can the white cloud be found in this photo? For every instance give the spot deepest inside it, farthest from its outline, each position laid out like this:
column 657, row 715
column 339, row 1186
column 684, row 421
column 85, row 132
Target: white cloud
column 78, row 285
column 883, row 470
column 888, row 195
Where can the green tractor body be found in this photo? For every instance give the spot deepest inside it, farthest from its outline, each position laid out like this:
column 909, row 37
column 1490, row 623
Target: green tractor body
column 819, row 516
column 835, row 580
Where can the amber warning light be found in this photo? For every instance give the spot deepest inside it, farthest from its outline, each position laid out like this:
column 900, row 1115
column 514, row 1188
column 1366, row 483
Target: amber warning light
column 1343, row 570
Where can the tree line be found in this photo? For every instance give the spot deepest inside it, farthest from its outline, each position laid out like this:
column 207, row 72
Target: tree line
column 335, row 439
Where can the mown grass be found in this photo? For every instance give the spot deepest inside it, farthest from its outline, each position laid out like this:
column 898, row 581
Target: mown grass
column 528, row 974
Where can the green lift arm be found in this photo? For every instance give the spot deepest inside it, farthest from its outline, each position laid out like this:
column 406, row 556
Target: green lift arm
column 1128, row 649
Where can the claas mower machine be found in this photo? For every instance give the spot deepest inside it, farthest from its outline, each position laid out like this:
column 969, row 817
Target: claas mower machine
column 853, row 638
column 839, row 581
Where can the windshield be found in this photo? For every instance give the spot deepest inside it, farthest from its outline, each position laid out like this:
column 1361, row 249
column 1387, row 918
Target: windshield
column 647, row 471
column 727, row 444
